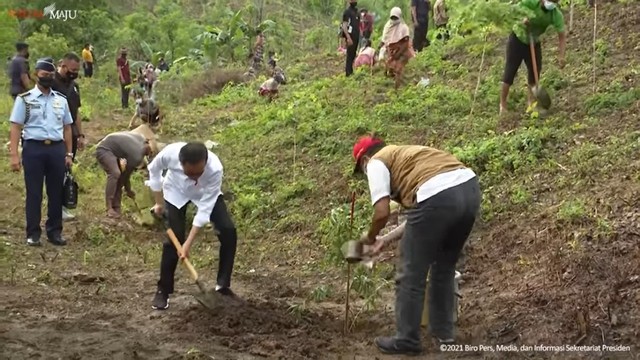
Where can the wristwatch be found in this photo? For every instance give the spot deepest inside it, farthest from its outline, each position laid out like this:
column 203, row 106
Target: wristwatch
column 69, row 155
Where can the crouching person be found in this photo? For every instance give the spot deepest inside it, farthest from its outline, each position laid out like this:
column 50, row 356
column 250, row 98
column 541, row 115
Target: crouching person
column 269, row 88
column 193, row 174
column 442, row 198
column 120, row 154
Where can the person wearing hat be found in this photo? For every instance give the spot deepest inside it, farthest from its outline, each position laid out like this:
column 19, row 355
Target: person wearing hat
column 125, row 77
column 442, row 198
column 42, row 116
column 19, row 70
column 120, row 154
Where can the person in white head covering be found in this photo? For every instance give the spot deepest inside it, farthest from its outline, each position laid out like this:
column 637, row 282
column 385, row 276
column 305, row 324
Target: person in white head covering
column 396, row 44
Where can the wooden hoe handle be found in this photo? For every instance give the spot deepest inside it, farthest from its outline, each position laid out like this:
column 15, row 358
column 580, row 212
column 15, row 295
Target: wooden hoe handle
column 187, row 263
column 534, row 64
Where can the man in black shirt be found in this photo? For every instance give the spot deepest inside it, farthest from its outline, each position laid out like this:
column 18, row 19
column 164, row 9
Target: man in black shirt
column 64, row 82
column 351, row 32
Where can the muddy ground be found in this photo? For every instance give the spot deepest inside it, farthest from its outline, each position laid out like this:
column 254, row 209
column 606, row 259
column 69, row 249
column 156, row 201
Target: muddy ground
column 91, row 299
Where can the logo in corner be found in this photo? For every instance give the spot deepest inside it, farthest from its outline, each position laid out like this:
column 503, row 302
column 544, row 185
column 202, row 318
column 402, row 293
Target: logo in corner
column 59, row 14
column 49, row 10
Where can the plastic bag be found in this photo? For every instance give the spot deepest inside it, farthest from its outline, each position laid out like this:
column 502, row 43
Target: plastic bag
column 69, row 191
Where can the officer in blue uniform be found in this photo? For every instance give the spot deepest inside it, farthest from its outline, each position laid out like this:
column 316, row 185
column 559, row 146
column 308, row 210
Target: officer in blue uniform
column 43, row 117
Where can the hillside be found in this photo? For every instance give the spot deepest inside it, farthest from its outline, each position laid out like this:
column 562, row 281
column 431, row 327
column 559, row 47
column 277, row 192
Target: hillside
column 554, row 259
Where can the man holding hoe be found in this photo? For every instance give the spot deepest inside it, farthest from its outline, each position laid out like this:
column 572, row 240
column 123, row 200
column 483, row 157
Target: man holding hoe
column 442, row 198
column 194, row 174
column 544, row 13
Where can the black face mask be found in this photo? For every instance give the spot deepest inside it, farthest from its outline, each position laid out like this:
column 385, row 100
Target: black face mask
column 26, row 56
column 354, row 4
column 72, row 75
column 45, row 81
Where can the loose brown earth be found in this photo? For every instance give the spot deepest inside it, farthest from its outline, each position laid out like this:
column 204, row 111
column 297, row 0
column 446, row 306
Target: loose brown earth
column 91, row 299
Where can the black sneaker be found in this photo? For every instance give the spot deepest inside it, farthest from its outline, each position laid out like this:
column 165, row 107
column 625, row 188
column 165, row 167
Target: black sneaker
column 392, row 346
column 33, row 241
column 160, row 301
column 227, row 292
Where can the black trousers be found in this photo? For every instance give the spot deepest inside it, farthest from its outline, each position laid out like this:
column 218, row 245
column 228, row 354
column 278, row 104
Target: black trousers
column 420, row 36
column 74, row 139
column 124, row 95
column 43, row 164
column 227, row 235
column 351, row 56
column 88, row 70
column 517, row 51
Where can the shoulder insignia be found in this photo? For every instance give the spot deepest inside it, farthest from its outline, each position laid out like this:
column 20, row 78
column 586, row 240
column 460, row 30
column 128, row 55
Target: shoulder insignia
column 25, row 93
column 58, row 93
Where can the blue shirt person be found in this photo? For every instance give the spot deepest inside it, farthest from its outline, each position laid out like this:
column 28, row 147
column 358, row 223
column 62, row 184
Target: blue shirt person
column 42, row 116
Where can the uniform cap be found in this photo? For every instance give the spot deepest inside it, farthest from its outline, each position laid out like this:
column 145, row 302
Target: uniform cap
column 45, row 64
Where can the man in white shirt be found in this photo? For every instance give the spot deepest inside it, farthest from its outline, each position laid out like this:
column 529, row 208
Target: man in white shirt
column 442, row 198
column 194, row 174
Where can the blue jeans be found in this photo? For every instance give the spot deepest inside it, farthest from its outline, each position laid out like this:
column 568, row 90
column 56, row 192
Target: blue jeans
column 43, row 163
column 435, row 234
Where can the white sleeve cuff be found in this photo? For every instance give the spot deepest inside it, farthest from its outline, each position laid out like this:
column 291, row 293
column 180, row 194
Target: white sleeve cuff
column 201, row 219
column 155, row 185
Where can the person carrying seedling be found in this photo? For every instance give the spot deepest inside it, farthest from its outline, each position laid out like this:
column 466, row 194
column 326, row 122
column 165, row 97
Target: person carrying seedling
column 543, row 14
column 269, row 88
column 120, row 154
column 442, row 199
column 193, row 174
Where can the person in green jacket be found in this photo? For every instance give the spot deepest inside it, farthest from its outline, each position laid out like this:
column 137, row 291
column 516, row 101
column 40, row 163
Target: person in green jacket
column 543, row 14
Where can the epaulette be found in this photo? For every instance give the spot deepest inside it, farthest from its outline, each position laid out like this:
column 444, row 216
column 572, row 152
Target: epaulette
column 25, row 93
column 58, row 93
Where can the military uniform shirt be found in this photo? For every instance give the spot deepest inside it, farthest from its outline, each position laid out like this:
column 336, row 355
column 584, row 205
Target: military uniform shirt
column 47, row 115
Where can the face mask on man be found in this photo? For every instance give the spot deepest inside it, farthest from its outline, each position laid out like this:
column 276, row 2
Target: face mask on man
column 26, row 55
column 549, row 5
column 45, row 81
column 354, row 4
column 72, row 75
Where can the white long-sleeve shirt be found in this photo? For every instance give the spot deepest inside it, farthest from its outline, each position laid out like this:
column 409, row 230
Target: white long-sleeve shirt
column 178, row 189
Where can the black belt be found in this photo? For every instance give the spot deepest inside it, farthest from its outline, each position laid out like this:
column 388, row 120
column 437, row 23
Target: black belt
column 45, row 142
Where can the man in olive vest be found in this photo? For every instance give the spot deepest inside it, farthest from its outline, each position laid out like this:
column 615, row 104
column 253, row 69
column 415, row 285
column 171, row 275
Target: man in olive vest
column 442, row 198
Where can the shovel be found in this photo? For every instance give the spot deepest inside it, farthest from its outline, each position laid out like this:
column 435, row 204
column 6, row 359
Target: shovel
column 542, row 97
column 209, row 299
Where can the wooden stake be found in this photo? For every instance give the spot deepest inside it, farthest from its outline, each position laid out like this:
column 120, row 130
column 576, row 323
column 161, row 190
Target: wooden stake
column 571, row 17
column 346, row 305
column 595, row 27
column 475, row 93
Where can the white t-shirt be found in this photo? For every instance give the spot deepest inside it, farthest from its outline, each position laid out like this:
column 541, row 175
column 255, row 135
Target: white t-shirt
column 380, row 181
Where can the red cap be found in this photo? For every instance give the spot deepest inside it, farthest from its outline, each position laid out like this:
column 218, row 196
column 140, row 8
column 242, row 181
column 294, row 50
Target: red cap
column 361, row 147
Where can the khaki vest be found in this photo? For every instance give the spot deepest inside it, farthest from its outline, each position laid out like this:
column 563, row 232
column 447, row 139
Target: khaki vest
column 411, row 166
